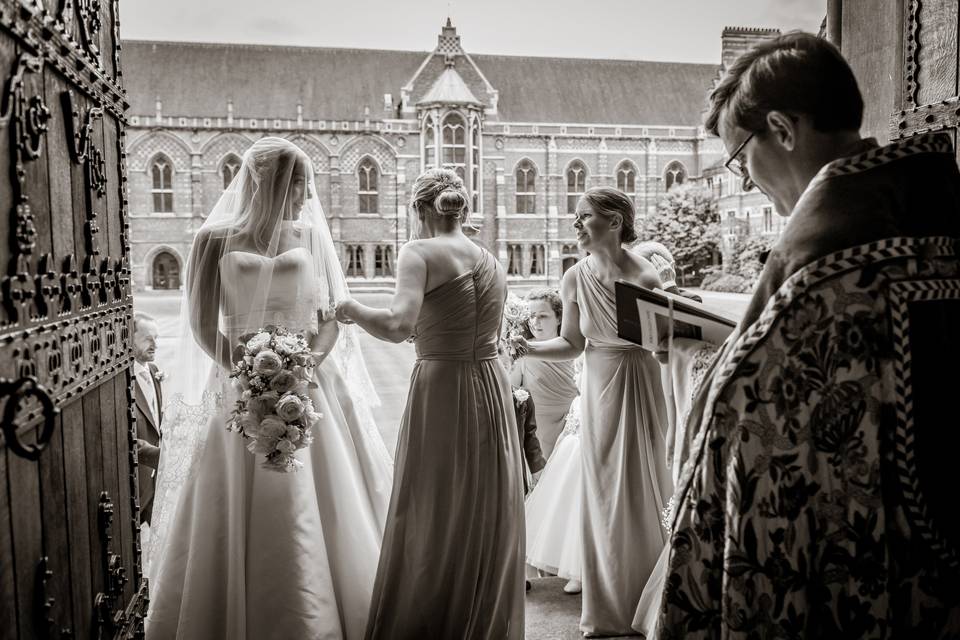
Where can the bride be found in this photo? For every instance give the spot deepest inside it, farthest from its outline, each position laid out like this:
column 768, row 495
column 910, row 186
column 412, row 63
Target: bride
column 238, row 550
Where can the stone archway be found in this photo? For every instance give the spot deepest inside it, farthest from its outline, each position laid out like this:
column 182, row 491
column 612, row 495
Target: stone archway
column 165, row 271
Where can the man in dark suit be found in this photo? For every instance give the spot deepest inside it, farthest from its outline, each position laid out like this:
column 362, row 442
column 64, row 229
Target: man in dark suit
column 149, row 400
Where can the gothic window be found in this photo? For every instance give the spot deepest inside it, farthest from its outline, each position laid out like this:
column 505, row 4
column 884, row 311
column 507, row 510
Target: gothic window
column 526, row 187
column 674, row 174
column 369, row 180
column 383, row 260
column 576, row 184
column 161, row 170
column 514, row 260
column 627, row 179
column 538, row 262
column 229, row 169
column 475, row 166
column 355, row 260
column 429, row 144
column 454, row 137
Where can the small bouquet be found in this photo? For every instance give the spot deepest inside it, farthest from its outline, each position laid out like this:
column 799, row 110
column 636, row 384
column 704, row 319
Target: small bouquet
column 516, row 316
column 274, row 412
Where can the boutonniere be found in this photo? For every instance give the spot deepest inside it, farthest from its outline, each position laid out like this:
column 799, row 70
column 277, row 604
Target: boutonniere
column 159, row 375
column 520, row 396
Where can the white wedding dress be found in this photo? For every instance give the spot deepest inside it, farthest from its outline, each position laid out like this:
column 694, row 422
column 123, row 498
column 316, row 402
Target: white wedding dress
column 257, row 554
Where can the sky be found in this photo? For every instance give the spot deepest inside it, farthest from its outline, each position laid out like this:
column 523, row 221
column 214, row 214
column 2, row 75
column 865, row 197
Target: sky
column 666, row 30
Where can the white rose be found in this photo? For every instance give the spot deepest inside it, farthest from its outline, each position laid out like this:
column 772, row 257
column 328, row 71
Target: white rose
column 267, row 363
column 292, row 434
column 521, row 395
column 286, row 345
column 258, row 342
column 285, row 446
column 289, row 407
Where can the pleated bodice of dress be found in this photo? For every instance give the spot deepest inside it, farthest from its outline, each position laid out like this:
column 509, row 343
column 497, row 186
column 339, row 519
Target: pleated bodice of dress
column 460, row 319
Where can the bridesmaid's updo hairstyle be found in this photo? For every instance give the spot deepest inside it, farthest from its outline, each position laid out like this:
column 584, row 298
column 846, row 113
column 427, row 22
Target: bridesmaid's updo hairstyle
column 610, row 203
column 440, row 192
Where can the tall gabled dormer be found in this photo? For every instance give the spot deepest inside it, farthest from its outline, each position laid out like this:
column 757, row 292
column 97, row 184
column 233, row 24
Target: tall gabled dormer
column 443, row 94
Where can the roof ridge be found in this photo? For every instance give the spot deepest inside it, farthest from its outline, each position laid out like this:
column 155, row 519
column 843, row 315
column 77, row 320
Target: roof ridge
column 242, row 45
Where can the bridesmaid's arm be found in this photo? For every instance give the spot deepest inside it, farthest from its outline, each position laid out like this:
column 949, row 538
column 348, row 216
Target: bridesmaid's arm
column 328, row 330
column 570, row 343
column 396, row 323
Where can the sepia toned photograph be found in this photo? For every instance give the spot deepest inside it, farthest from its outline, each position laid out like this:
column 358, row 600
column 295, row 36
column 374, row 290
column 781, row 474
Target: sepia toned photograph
column 479, row 321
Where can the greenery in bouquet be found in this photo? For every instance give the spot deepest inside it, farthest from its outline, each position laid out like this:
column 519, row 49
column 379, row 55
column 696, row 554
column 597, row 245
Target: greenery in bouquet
column 516, row 319
column 274, row 413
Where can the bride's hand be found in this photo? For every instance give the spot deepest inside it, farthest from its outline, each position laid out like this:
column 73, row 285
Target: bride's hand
column 343, row 310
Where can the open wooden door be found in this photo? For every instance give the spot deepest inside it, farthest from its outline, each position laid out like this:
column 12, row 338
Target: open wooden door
column 69, row 540
column 905, row 55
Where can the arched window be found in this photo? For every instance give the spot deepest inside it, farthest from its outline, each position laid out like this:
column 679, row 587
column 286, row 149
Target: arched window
column 454, row 136
column 514, row 260
column 229, row 169
column 475, row 165
column 674, row 174
column 355, row 260
column 166, row 271
column 383, row 260
column 429, row 144
column 538, row 260
column 576, row 184
column 161, row 170
column 526, row 187
column 627, row 179
column 367, row 193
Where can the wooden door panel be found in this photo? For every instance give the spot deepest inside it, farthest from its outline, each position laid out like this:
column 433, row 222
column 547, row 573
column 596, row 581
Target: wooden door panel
column 78, row 532
column 27, row 539
column 56, row 592
column 936, row 75
column 928, row 72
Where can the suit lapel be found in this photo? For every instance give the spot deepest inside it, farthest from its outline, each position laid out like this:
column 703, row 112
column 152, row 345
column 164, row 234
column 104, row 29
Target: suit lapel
column 144, row 405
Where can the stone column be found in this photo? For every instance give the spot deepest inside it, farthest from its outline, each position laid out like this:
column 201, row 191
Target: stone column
column 501, row 248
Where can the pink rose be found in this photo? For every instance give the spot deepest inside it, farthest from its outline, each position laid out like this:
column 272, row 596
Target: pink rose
column 272, row 427
column 289, row 407
column 267, row 363
column 250, row 424
column 285, row 446
column 262, row 446
column 283, row 381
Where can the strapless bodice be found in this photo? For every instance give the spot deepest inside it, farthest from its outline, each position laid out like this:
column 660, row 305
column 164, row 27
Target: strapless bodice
column 460, row 319
column 258, row 290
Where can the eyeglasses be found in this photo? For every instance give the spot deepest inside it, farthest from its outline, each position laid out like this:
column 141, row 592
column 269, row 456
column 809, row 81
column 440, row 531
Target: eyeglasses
column 734, row 164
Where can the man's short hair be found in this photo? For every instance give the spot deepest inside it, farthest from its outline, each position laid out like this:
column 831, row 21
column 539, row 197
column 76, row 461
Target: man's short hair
column 140, row 316
column 796, row 72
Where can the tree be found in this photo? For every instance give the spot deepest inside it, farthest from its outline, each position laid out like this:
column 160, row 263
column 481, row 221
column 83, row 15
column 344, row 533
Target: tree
column 687, row 222
column 747, row 251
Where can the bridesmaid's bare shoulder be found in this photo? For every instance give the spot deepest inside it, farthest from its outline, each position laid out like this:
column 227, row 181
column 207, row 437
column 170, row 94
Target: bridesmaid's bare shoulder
column 643, row 272
column 568, row 284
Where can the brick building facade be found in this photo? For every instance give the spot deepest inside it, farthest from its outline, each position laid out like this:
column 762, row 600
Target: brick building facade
column 528, row 134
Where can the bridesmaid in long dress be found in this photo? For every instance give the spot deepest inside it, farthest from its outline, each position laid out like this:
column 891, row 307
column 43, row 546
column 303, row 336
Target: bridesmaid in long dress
column 451, row 564
column 550, row 383
column 626, row 483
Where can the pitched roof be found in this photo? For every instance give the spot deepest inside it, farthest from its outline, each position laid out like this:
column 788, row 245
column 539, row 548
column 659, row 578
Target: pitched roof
column 449, row 88
column 197, row 79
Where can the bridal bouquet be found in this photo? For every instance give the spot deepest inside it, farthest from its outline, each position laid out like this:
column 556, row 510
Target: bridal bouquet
column 274, row 412
column 516, row 316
